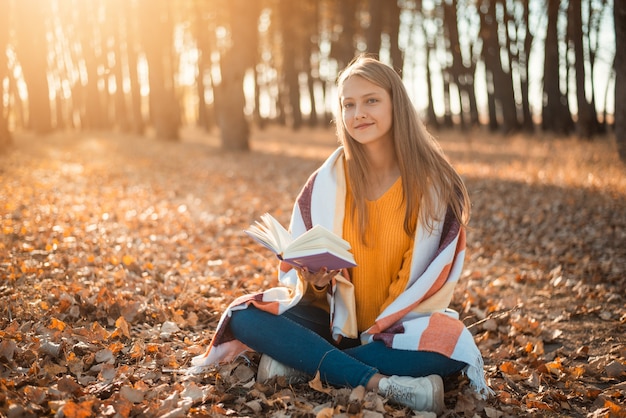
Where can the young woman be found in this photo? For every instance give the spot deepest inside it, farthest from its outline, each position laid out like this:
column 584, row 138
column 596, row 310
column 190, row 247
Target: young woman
column 385, row 324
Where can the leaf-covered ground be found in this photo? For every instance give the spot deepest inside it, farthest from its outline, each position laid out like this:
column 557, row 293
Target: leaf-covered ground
column 118, row 253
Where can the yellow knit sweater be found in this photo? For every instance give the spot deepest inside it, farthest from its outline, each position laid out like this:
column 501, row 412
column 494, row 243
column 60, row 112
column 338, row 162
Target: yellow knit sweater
column 383, row 260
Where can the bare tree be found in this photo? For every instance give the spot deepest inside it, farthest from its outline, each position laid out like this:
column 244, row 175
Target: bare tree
column 344, row 46
column 88, row 29
column 392, row 28
column 157, row 43
column 375, row 9
column 311, row 55
column 291, row 20
column 203, row 27
column 556, row 116
column 619, row 19
column 595, row 23
column 5, row 135
column 498, row 72
column 461, row 70
column 235, row 60
column 587, row 119
column 115, row 29
column 132, row 57
column 519, row 48
column 32, row 52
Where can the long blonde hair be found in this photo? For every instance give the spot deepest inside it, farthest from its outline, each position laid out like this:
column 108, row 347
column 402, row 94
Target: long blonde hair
column 429, row 181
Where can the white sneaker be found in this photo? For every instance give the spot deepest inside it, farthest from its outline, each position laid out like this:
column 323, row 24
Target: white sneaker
column 268, row 368
column 418, row 393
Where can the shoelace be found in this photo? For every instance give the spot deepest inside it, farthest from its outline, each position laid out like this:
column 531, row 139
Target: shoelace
column 398, row 393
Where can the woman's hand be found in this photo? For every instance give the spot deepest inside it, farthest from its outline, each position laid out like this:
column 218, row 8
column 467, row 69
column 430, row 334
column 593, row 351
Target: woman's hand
column 319, row 279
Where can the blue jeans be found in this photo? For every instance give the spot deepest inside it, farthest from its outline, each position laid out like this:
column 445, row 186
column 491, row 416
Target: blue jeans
column 300, row 338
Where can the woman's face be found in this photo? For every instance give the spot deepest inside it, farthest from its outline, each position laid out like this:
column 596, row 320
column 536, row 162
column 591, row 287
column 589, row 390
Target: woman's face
column 366, row 111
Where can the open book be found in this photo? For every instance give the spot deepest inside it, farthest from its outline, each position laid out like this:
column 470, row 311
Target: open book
column 316, row 248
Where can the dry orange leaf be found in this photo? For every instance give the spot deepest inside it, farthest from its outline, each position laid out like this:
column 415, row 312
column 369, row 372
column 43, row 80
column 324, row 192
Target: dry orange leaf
column 78, row 410
column 116, row 347
column 532, row 403
column 136, row 350
column 616, row 409
column 509, row 368
column 123, row 326
column 316, row 384
column 99, row 331
column 127, row 260
column 57, row 324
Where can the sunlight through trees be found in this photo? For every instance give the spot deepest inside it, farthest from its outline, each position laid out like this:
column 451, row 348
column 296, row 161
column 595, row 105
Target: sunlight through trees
column 153, row 66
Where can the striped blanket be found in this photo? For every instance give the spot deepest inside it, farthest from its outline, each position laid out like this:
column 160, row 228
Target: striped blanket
column 419, row 319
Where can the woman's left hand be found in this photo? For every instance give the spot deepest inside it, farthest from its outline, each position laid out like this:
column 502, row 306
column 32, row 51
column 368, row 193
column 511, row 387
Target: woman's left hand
column 320, row 278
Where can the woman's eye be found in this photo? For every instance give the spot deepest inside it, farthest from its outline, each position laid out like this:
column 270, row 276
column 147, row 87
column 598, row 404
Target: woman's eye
column 372, row 100
column 347, row 105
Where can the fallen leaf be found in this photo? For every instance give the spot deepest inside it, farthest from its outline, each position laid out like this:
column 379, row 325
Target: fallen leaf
column 316, row 384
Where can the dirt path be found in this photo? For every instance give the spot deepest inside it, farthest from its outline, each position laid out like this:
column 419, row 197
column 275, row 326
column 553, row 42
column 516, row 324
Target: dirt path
column 118, row 253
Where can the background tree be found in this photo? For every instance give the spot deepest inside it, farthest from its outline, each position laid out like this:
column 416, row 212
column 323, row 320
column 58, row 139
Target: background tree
column 236, row 57
column 461, row 70
column 5, row 135
column 499, row 77
column 392, row 29
column 132, row 57
column 587, row 118
column 517, row 19
column 32, row 51
column 556, row 116
column 373, row 38
column 344, row 42
column 157, row 42
column 203, row 29
column 114, row 64
column 89, row 31
column 291, row 21
column 619, row 19
column 115, row 30
column 311, row 56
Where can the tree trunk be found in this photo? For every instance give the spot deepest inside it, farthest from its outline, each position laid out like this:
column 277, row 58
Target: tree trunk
column 132, row 52
column 502, row 82
column 491, row 56
column 555, row 116
column 595, row 22
column 375, row 28
column 290, row 19
column 431, row 114
column 448, row 122
column 310, row 49
column 5, row 135
column 157, row 43
column 528, row 123
column 491, row 103
column 344, row 46
column 204, row 37
column 619, row 20
column 118, row 33
column 392, row 12
column 233, row 65
column 32, row 52
column 586, row 117
column 85, row 21
column 457, row 69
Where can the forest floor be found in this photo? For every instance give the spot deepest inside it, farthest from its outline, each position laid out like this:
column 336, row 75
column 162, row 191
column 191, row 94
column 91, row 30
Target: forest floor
column 118, row 254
